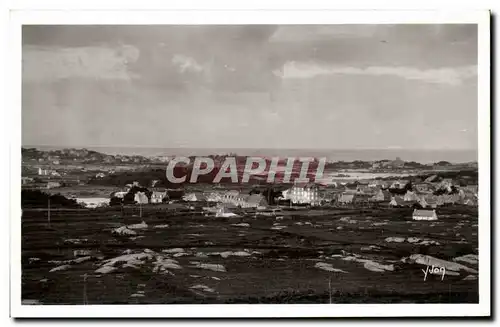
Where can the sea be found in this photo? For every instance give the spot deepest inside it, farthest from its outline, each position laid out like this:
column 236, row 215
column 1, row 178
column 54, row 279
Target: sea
column 421, row 156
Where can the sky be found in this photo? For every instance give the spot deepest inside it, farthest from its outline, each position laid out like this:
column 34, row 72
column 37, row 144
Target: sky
column 252, row 86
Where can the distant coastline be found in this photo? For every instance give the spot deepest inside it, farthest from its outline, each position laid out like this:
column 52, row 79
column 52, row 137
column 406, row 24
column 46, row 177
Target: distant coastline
column 422, row 156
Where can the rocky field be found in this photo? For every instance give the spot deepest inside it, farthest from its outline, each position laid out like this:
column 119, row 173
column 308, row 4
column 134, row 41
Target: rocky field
column 181, row 255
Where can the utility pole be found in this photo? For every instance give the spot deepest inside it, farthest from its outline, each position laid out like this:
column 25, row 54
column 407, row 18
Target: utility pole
column 48, row 212
column 330, row 288
column 85, row 300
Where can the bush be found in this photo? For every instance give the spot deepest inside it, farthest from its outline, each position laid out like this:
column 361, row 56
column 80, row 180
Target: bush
column 39, row 199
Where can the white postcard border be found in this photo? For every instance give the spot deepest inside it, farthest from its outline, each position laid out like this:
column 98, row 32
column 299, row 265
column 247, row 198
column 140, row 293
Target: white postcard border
column 482, row 18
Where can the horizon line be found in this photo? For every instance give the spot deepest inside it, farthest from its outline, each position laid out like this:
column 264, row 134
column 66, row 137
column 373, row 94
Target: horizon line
column 242, row 148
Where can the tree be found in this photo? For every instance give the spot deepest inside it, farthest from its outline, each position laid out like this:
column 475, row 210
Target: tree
column 129, row 198
column 38, row 199
column 115, row 201
column 409, row 186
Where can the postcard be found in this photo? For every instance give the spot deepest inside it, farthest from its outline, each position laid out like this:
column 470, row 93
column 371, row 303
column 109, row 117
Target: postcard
column 251, row 164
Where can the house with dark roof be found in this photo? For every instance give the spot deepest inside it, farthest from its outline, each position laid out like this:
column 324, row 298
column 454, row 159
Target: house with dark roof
column 470, row 201
column 439, row 200
column 194, row 197
column 381, row 196
column 471, row 189
column 361, row 199
column 400, row 184
column 410, row 196
column 366, row 189
column 423, row 187
column 397, row 201
column 451, row 198
column 378, row 197
column 431, row 201
column 352, row 188
column 255, row 201
column 346, row 198
column 421, row 201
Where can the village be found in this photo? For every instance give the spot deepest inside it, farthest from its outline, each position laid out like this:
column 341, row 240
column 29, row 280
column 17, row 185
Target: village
column 398, row 194
column 386, row 184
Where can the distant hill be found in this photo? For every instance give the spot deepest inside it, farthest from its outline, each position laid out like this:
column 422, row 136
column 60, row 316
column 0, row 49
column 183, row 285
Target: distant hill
column 81, row 156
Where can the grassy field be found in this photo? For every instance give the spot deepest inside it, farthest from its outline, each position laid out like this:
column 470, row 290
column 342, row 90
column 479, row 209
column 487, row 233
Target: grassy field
column 254, row 259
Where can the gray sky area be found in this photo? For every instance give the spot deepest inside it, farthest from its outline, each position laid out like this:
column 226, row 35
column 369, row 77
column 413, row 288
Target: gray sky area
column 254, row 86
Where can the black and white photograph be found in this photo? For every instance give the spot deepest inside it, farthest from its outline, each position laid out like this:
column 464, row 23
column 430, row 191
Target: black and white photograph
column 253, row 164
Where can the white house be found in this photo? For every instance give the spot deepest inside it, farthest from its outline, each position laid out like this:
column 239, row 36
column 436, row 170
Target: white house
column 230, row 197
column 119, row 194
column 53, row 185
column 307, row 193
column 399, row 184
column 93, row 202
column 43, row 172
column 157, row 197
column 255, row 201
column 26, row 180
column 424, row 215
column 195, row 196
column 214, row 197
column 140, row 197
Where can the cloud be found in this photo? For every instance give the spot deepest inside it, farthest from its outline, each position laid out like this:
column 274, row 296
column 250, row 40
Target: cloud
column 448, row 75
column 307, row 33
column 41, row 64
column 186, row 64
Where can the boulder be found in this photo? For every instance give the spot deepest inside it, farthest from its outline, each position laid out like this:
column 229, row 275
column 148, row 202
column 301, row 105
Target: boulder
column 142, row 225
column 59, row 268
column 123, row 231
column 468, row 258
column 328, row 267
